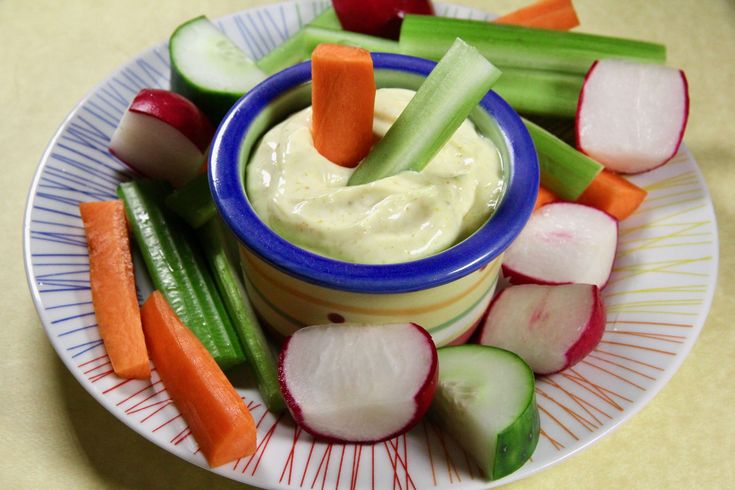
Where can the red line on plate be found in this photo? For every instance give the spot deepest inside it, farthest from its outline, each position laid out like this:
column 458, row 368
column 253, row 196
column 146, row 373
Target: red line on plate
column 108, row 363
column 151, row 415
column 308, row 460
column 339, row 468
column 168, row 422
column 113, row 388
column 326, row 455
column 393, row 462
column 132, row 409
column 447, row 456
column 291, row 454
column 266, row 440
column 428, row 450
column 91, row 360
column 98, row 377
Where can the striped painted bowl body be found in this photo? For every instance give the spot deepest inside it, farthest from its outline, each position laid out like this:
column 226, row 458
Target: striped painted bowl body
column 291, row 287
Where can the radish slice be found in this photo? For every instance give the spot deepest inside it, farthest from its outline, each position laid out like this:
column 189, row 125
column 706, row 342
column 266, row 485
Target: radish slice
column 563, row 243
column 631, row 116
column 358, row 383
column 550, row 327
column 163, row 135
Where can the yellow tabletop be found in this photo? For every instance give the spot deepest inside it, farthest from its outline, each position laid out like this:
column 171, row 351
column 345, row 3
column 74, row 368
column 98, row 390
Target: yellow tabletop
column 55, row 435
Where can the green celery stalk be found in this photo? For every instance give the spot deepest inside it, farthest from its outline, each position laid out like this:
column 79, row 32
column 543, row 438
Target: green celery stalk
column 293, row 50
column 509, row 46
column 177, row 269
column 214, row 242
column 444, row 100
column 564, row 171
column 540, row 92
column 314, row 35
column 193, row 202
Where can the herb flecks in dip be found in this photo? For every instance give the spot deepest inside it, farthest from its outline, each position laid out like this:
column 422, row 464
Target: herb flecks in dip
column 304, row 197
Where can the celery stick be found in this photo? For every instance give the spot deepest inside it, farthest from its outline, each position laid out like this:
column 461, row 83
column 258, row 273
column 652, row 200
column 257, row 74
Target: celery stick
column 564, row 171
column 327, row 19
column 315, row 35
column 193, row 202
column 509, row 46
column 226, row 274
column 453, row 88
column 293, row 50
column 288, row 53
column 540, row 92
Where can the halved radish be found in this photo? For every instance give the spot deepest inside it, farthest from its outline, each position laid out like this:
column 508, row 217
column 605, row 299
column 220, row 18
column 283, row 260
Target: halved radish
column 486, row 401
column 163, row 135
column 631, row 116
column 550, row 327
column 358, row 383
column 563, row 243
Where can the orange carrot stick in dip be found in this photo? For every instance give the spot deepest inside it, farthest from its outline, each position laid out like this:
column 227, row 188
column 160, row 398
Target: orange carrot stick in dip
column 545, row 196
column 545, row 14
column 343, row 102
column 218, row 418
column 613, row 194
column 113, row 287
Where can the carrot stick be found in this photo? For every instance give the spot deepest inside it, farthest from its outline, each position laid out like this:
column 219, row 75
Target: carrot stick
column 545, row 196
column 343, row 99
column 544, row 14
column 218, row 418
column 113, row 287
column 613, row 194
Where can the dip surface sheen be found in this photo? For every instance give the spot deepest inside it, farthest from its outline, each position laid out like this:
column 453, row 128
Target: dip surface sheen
column 304, row 197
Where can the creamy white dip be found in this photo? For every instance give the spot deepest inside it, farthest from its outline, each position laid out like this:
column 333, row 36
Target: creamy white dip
column 304, row 197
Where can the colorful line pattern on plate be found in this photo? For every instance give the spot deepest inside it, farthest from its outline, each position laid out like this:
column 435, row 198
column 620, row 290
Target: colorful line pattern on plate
column 657, row 301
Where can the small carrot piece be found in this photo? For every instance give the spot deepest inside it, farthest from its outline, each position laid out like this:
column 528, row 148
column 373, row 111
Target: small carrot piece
column 544, row 14
column 343, row 102
column 218, row 418
column 613, row 194
column 545, row 196
column 113, row 287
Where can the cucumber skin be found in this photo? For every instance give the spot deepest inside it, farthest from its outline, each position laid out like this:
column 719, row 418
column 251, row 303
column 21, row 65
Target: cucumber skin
column 515, row 446
column 213, row 103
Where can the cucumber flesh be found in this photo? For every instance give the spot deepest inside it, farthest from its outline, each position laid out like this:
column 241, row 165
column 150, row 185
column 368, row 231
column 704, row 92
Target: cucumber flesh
column 208, row 68
column 485, row 399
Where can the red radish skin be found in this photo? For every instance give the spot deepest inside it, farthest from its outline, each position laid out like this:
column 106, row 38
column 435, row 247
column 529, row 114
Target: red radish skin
column 629, row 163
column 563, row 243
column 162, row 135
column 176, row 111
column 378, row 17
column 551, row 327
column 422, row 397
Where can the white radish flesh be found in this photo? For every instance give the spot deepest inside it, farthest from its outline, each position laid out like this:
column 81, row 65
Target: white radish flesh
column 563, row 243
column 550, row 327
column 358, row 383
column 631, row 116
column 163, row 136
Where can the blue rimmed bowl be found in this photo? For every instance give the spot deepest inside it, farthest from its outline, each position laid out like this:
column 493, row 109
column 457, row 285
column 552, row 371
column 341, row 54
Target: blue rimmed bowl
column 291, row 287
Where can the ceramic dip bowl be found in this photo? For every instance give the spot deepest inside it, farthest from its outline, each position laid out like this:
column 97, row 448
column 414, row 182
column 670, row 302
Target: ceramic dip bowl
column 291, row 287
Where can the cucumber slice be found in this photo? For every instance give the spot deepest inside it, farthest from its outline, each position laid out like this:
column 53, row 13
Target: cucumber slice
column 485, row 398
column 208, row 68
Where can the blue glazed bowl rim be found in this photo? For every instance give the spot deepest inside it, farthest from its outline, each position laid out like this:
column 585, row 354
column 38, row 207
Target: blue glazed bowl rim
column 487, row 243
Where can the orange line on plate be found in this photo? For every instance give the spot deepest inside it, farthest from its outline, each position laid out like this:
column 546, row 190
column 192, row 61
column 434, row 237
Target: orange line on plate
column 566, row 429
column 633, row 346
column 621, row 378
column 598, row 351
column 622, row 366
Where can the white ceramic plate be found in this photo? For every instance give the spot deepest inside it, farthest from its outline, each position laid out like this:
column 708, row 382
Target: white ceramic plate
column 657, row 301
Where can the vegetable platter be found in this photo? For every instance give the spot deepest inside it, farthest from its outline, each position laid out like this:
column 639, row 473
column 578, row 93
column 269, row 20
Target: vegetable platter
column 657, row 299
